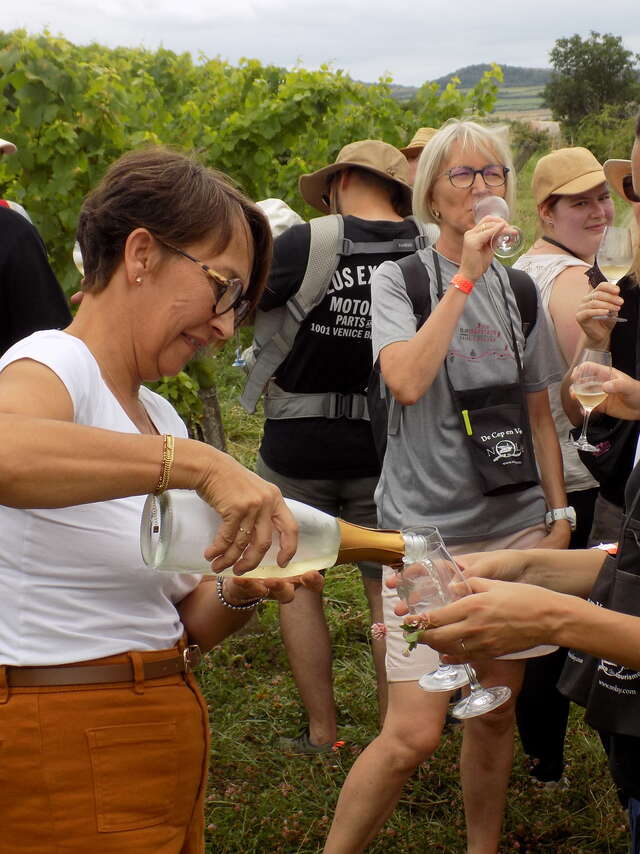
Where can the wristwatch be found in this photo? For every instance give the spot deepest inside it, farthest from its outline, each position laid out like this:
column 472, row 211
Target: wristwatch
column 557, row 513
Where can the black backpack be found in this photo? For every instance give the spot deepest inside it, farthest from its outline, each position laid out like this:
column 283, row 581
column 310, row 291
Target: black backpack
column 380, row 402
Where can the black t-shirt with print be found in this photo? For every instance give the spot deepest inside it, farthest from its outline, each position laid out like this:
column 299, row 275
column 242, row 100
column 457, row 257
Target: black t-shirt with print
column 331, row 353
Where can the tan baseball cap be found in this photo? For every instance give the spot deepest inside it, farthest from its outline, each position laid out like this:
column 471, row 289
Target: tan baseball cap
column 566, row 172
column 371, row 154
column 420, row 139
column 7, row 147
column 618, row 174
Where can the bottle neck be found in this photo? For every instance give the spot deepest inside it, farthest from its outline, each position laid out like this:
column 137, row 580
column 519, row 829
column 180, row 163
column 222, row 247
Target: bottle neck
column 358, row 543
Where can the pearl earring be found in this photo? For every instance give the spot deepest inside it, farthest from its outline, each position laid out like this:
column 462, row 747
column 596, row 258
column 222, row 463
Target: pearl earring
column 138, row 280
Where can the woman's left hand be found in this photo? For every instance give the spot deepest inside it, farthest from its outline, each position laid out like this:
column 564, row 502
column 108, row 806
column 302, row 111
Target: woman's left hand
column 477, row 253
column 238, row 589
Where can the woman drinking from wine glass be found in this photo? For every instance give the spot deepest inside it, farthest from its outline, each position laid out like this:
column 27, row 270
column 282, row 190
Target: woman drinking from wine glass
column 108, row 741
column 603, row 670
column 468, row 402
column 574, row 209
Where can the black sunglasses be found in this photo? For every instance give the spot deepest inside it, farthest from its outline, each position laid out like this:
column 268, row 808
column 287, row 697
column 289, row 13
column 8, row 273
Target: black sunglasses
column 229, row 293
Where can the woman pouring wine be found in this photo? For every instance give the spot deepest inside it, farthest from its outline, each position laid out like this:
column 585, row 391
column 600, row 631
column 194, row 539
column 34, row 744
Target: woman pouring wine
column 109, row 732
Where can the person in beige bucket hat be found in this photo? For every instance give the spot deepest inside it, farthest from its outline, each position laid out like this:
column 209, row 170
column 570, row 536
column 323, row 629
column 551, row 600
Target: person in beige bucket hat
column 619, row 175
column 415, row 148
column 318, row 446
column 369, row 155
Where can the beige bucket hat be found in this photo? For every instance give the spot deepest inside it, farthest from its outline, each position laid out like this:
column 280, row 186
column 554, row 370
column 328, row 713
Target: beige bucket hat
column 420, row 139
column 566, row 172
column 620, row 178
column 371, row 154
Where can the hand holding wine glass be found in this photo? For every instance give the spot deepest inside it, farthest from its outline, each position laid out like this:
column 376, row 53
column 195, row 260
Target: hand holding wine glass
column 420, row 591
column 615, row 256
column 444, row 583
column 590, row 374
column 506, row 243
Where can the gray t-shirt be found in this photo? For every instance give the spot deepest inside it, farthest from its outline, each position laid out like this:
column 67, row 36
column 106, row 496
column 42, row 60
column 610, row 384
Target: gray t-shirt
column 427, row 475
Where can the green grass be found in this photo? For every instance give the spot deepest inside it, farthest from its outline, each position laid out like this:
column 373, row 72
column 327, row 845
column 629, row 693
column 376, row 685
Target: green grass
column 261, row 801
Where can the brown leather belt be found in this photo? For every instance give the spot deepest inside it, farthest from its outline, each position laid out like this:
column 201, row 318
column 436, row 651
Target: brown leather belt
column 94, row 674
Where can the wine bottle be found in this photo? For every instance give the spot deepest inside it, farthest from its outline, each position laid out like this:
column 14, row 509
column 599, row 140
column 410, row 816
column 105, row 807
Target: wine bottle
column 177, row 526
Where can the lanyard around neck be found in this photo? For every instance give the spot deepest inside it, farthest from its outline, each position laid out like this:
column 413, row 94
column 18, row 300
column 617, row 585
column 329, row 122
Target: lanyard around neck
column 516, row 351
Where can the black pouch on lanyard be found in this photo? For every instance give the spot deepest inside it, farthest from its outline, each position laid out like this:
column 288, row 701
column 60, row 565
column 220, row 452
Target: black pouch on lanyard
column 495, row 421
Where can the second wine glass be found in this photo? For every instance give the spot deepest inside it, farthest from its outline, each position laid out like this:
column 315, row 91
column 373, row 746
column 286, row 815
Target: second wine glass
column 591, row 372
column 615, row 256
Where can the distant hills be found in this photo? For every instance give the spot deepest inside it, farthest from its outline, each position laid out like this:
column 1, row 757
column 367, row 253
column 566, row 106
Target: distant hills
column 514, row 76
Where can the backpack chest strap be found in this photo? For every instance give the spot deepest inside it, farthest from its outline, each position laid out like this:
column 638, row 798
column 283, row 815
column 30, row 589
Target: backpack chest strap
column 280, row 404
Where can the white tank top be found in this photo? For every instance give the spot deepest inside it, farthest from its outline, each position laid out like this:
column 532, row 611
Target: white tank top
column 544, row 269
column 73, row 585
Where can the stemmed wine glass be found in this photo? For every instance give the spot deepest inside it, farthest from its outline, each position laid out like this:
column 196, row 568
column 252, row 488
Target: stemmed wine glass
column 430, row 556
column 615, row 256
column 508, row 243
column 417, row 589
column 593, row 369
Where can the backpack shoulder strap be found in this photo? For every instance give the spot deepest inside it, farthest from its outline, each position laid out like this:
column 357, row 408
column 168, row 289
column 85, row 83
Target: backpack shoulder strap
column 416, row 281
column 524, row 290
column 276, row 330
column 386, row 419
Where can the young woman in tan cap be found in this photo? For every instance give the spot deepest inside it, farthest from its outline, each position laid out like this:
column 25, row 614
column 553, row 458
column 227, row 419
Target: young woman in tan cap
column 574, row 208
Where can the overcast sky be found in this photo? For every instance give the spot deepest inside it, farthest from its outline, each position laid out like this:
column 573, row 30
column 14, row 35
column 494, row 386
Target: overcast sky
column 413, row 40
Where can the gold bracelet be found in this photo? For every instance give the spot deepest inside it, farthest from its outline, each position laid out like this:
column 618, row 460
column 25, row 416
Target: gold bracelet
column 167, row 463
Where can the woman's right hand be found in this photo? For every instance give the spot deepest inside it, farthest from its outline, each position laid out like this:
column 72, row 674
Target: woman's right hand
column 590, row 315
column 251, row 509
column 477, row 253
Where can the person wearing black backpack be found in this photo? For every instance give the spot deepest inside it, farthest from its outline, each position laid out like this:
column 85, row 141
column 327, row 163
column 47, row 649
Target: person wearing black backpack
column 468, row 403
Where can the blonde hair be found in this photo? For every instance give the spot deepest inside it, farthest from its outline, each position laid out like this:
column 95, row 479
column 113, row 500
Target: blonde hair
column 491, row 141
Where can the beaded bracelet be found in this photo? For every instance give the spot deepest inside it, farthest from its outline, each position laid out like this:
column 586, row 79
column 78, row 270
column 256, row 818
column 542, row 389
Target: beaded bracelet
column 167, row 463
column 250, row 603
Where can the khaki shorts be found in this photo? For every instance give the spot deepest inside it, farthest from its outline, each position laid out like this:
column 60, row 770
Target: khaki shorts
column 423, row 659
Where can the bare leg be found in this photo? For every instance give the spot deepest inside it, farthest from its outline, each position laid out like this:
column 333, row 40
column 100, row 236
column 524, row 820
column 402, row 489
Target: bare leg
column 486, row 759
column 306, row 638
column 372, row 589
column 410, row 735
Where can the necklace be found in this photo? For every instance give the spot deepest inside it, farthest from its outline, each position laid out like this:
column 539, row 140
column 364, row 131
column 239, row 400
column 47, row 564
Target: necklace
column 148, row 425
column 563, row 247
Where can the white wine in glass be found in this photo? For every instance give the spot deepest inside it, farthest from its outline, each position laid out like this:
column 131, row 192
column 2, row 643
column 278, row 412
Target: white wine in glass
column 615, row 256
column 593, row 369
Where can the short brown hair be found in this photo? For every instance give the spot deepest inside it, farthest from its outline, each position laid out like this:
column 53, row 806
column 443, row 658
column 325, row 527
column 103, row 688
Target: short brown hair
column 179, row 200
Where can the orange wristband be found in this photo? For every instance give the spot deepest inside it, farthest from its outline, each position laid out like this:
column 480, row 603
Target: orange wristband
column 462, row 284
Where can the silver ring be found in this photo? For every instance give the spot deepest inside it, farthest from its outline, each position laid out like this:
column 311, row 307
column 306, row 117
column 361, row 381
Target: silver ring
column 464, row 649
